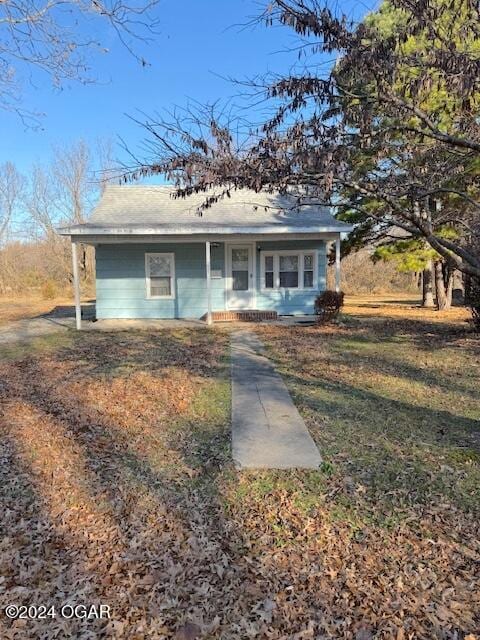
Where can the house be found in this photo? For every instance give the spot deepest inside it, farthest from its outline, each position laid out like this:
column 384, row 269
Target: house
column 157, row 257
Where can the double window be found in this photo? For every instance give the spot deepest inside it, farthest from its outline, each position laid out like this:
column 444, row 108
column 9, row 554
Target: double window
column 160, row 275
column 289, row 269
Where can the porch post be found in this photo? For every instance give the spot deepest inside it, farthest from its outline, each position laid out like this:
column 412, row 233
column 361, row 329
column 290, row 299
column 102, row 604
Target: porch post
column 76, row 287
column 209, row 282
column 337, row 264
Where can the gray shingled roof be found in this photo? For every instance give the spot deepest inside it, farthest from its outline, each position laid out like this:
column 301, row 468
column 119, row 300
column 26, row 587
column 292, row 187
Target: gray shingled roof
column 154, row 210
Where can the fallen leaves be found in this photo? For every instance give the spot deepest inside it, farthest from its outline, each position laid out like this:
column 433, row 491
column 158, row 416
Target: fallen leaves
column 189, row 631
column 115, row 488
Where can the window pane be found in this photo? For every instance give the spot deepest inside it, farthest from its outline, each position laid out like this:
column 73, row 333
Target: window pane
column 268, row 263
column 288, row 263
column 308, row 278
column 308, row 261
column 160, row 286
column 288, row 271
column 160, row 266
column 240, row 280
column 289, row 279
column 239, row 259
column 269, row 280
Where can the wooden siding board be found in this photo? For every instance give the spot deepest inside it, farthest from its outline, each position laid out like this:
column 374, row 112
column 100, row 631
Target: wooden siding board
column 120, row 281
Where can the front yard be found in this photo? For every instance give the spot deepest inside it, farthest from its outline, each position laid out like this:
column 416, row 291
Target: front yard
column 14, row 308
column 117, row 486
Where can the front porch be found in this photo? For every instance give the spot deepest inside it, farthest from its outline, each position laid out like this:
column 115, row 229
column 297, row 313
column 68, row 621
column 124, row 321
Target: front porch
column 248, row 279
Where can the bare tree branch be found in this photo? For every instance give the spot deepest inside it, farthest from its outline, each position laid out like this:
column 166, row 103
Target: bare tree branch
column 50, row 36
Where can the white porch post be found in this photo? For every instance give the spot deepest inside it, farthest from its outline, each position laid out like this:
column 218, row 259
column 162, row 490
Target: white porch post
column 76, row 287
column 209, row 282
column 337, row 264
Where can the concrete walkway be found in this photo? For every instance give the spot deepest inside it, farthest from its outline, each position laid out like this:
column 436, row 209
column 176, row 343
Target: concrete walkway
column 29, row 328
column 267, row 430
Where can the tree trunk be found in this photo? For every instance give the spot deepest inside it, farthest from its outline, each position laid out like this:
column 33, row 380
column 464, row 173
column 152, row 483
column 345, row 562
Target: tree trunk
column 427, row 287
column 443, row 285
column 450, row 282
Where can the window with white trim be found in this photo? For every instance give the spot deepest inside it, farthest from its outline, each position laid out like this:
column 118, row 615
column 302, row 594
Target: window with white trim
column 308, row 260
column 269, row 273
column 160, row 275
column 289, row 269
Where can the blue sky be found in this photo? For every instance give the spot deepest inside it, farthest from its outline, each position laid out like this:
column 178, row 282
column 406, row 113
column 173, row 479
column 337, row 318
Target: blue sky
column 198, row 42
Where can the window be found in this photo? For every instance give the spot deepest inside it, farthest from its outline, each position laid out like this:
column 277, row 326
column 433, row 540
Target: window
column 240, row 269
column 160, row 275
column 289, row 269
column 308, row 270
column 269, row 273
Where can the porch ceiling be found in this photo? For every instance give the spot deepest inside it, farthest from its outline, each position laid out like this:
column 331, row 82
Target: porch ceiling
column 329, row 233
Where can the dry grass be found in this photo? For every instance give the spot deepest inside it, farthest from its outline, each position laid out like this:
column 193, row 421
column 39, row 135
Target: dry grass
column 117, row 486
column 21, row 308
column 402, row 306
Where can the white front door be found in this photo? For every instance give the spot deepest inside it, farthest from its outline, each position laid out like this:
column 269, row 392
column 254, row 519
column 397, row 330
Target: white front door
column 240, row 276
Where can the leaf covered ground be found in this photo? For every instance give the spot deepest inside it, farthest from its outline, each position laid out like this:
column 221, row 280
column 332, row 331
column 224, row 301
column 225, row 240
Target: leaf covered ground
column 117, row 486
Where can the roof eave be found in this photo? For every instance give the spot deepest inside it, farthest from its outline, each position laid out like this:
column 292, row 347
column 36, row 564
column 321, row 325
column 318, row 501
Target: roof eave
column 79, row 230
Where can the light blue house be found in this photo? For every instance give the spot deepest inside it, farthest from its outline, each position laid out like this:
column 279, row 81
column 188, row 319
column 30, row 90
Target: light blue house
column 157, row 257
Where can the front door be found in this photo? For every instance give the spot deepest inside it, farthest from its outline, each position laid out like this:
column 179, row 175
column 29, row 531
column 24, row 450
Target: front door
column 240, row 281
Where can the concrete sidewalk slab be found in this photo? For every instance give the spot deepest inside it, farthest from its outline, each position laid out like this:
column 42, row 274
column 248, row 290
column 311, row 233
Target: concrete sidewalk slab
column 267, row 430
column 28, row 328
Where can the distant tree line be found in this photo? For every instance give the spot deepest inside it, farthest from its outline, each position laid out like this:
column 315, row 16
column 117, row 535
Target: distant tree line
column 32, row 255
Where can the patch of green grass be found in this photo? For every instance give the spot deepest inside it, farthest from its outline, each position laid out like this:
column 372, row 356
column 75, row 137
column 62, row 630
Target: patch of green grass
column 213, row 403
column 345, row 514
column 36, row 346
column 327, row 468
column 464, row 456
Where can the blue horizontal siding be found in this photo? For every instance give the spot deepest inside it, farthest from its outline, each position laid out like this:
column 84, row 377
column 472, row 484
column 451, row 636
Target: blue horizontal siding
column 121, row 287
column 121, row 290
